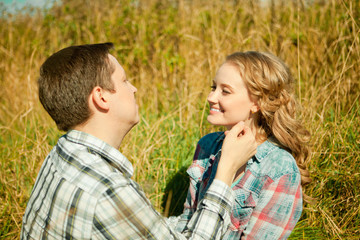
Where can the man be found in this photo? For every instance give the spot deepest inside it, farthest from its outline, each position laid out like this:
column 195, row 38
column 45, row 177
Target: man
column 84, row 188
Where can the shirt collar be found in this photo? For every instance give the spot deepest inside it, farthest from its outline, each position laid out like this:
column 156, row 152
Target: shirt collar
column 263, row 150
column 112, row 155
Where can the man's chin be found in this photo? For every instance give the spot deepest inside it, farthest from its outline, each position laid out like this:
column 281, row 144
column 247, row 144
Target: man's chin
column 136, row 121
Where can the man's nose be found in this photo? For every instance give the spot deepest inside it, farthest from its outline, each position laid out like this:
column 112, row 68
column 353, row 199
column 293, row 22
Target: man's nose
column 134, row 88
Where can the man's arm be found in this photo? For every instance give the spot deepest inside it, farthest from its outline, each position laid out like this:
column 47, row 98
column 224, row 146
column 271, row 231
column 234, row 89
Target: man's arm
column 189, row 209
column 239, row 136
column 125, row 213
column 190, row 204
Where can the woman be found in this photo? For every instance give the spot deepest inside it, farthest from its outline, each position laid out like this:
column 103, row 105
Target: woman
column 255, row 88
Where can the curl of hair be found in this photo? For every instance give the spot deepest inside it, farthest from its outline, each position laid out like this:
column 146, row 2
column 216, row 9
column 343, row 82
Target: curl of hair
column 270, row 82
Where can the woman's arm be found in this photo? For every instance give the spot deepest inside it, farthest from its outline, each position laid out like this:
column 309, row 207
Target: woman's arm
column 278, row 210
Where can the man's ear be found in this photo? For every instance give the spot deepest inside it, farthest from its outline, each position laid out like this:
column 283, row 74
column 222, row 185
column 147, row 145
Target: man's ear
column 99, row 98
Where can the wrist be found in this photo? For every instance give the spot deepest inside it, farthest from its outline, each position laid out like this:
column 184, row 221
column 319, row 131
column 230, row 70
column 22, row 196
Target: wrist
column 225, row 175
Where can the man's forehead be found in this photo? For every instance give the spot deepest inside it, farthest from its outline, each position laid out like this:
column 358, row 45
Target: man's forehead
column 113, row 60
column 115, row 63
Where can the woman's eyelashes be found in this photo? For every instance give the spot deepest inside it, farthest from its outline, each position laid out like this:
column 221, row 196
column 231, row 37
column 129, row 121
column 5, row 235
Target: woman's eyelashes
column 223, row 90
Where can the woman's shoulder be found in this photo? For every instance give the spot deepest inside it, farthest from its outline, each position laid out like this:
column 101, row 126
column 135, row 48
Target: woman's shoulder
column 212, row 139
column 209, row 145
column 207, row 149
column 275, row 160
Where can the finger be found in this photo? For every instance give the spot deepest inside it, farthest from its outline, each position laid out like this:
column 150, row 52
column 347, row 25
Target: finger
column 246, row 130
column 252, row 131
column 237, row 129
column 226, row 132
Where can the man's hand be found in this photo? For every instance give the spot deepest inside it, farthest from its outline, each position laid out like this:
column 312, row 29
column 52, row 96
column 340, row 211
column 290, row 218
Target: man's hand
column 238, row 147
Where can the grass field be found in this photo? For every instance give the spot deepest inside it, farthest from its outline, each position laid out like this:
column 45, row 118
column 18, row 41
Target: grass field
column 171, row 51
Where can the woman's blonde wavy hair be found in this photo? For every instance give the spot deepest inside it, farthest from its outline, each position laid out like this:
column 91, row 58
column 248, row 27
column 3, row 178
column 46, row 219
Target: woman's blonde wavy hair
column 270, row 82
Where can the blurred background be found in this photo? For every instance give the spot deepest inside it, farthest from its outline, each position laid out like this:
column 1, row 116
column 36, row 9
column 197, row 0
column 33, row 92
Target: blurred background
column 18, row 5
column 170, row 50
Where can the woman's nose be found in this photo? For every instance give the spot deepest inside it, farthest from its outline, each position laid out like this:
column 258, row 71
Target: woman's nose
column 212, row 97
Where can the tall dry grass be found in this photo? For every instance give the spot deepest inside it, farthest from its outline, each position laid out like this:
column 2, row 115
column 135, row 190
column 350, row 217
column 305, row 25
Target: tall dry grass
column 170, row 51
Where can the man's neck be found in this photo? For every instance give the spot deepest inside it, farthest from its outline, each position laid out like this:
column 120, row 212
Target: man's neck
column 105, row 132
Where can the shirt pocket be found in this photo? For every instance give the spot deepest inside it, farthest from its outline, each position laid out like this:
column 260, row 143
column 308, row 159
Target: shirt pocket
column 245, row 202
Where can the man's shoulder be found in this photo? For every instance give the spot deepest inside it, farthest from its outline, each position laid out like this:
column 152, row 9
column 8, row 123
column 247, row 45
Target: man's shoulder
column 72, row 183
column 87, row 169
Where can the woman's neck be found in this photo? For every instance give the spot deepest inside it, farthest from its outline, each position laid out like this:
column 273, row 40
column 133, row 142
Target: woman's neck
column 260, row 136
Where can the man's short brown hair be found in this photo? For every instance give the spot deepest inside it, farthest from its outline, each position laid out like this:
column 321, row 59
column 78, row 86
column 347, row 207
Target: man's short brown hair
column 67, row 78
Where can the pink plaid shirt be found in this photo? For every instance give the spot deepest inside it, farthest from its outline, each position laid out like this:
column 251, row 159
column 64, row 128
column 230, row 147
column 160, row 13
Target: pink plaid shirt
column 268, row 197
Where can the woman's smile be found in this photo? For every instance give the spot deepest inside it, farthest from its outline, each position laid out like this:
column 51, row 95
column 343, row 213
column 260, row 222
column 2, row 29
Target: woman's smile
column 229, row 98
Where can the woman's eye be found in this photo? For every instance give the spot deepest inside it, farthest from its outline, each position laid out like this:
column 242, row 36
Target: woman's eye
column 226, row 91
column 213, row 87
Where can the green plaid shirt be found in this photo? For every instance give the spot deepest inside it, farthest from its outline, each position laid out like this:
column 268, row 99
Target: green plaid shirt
column 84, row 190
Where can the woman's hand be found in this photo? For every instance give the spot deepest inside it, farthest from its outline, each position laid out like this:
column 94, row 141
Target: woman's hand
column 238, row 147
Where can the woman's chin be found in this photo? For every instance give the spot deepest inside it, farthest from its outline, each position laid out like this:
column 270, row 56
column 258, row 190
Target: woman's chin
column 216, row 123
column 212, row 121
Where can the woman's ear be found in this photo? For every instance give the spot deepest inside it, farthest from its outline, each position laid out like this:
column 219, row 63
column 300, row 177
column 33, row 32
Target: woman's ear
column 255, row 108
column 99, row 98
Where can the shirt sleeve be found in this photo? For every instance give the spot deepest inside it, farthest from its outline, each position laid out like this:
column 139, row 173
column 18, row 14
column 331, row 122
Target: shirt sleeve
column 189, row 207
column 195, row 171
column 278, row 209
column 125, row 213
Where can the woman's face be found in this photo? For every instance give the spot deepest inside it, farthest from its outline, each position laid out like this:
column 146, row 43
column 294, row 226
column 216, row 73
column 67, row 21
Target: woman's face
column 229, row 98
